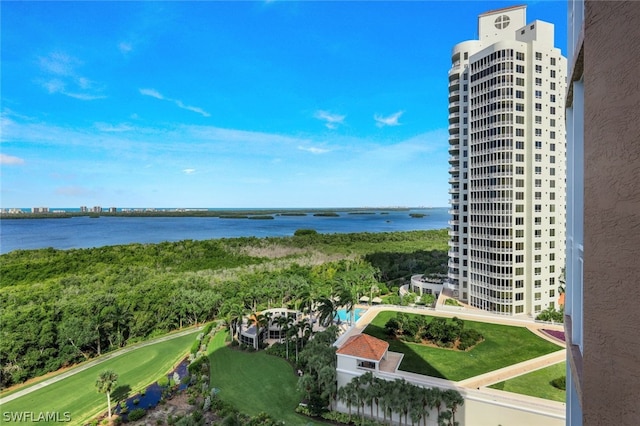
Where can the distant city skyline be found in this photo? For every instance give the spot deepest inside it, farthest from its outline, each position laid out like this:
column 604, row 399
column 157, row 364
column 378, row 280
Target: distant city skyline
column 232, row 104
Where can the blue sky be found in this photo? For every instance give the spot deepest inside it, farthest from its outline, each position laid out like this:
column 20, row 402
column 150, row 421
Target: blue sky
column 231, row 104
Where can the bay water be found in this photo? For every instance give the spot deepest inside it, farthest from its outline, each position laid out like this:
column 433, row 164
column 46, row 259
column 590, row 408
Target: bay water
column 85, row 232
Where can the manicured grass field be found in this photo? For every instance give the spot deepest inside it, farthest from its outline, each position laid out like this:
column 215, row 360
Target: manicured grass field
column 537, row 383
column 503, row 346
column 255, row 382
column 78, row 395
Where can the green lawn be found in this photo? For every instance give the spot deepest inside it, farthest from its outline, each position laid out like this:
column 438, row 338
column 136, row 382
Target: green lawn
column 77, row 394
column 537, row 383
column 255, row 382
column 503, row 346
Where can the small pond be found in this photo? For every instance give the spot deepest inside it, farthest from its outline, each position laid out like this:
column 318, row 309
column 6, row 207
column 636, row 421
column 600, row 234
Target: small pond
column 153, row 393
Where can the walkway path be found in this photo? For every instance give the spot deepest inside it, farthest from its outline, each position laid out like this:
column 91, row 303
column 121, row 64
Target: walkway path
column 92, row 363
column 514, row 370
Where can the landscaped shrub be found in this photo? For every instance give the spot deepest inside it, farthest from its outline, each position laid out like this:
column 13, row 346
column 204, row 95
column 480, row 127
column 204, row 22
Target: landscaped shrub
column 551, row 315
column 277, row 349
column 452, row 302
column 304, row 410
column 440, row 331
column 469, row 338
column 560, row 383
column 199, row 365
column 263, row 419
column 163, row 381
column 336, row 416
column 136, row 414
column 207, row 328
column 195, row 346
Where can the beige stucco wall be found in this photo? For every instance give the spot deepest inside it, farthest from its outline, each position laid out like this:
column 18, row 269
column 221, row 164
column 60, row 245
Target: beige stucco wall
column 611, row 375
column 494, row 410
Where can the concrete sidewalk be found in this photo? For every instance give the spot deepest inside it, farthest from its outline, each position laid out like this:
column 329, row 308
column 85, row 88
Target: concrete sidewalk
column 514, row 370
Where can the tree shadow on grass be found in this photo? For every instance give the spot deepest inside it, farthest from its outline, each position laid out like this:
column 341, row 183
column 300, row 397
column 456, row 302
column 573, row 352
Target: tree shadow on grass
column 121, row 393
column 412, row 361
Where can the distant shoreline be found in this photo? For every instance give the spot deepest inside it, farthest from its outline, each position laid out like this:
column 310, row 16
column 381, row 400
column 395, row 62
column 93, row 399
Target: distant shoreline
column 217, row 213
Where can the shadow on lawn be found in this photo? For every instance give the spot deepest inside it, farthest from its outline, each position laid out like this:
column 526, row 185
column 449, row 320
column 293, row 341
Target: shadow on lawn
column 121, row 393
column 412, row 362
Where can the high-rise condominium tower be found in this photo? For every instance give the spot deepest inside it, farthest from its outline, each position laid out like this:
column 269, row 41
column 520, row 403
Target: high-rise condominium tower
column 507, row 156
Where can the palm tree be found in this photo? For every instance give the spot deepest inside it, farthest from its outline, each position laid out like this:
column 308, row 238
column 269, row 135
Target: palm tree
column 428, row 402
column 405, row 402
column 360, row 394
column 367, row 380
column 346, row 394
column 236, row 317
column 437, row 399
column 453, row 400
column 327, row 383
column 106, row 383
column 327, row 310
column 347, row 297
column 416, row 411
column 305, row 330
column 396, row 397
column 293, row 332
column 373, row 290
column 258, row 320
column 281, row 322
column 385, row 401
column 306, row 382
column 285, row 322
column 378, row 393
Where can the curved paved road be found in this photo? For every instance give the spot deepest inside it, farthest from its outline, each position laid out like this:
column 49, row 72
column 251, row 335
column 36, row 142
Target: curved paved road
column 94, row 362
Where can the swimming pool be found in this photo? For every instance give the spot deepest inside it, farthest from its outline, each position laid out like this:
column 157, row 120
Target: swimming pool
column 343, row 314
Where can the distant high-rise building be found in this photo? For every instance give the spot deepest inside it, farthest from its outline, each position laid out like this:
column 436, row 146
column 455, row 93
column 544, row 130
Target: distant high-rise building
column 507, row 156
column 603, row 214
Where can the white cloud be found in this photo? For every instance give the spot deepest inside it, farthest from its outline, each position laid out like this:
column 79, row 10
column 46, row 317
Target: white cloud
column 9, row 160
column 59, row 63
column 192, row 108
column 151, row 92
column 125, row 47
column 331, row 120
column 314, row 150
column 189, row 171
column 106, row 127
column 391, row 120
column 83, row 96
column 62, row 77
column 155, row 94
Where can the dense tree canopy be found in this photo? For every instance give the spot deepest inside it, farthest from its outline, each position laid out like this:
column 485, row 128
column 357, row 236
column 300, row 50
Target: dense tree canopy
column 62, row 307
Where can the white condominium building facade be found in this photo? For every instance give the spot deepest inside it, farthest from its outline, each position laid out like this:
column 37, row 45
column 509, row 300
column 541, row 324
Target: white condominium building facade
column 507, row 165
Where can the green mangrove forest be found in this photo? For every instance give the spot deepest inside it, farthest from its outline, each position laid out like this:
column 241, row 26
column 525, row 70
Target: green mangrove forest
column 61, row 307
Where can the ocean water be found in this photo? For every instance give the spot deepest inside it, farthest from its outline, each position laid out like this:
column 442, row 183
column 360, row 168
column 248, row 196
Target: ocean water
column 85, row 232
